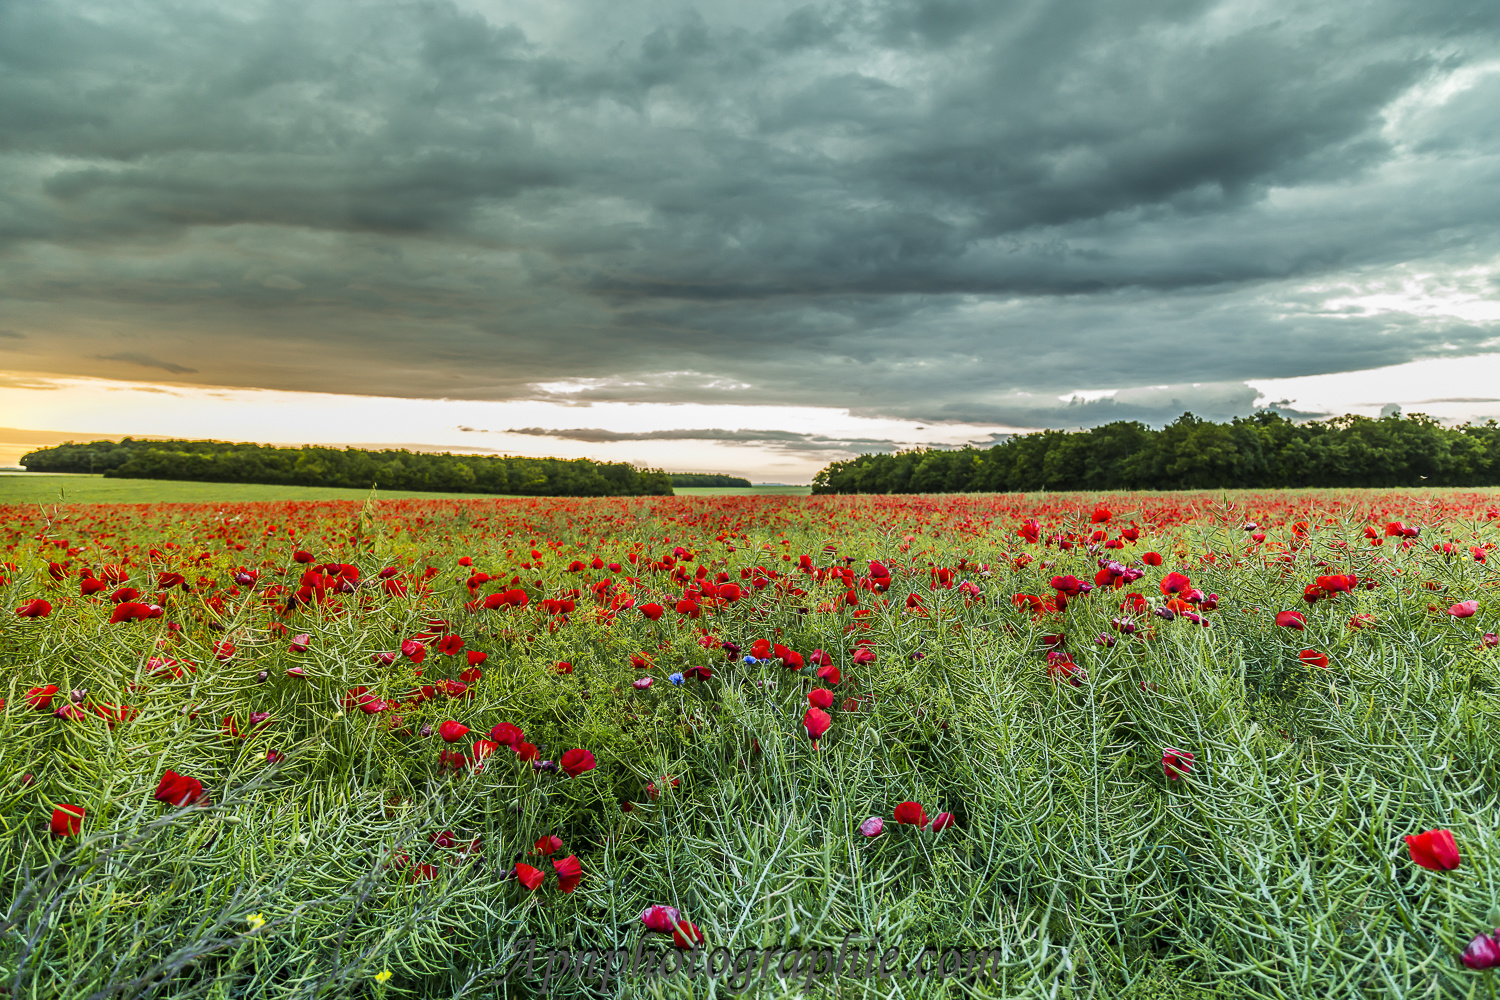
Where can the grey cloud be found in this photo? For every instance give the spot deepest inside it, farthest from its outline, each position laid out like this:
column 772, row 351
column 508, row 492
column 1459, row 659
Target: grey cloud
column 11, row 335
column 788, row 441
column 906, row 207
column 146, row 361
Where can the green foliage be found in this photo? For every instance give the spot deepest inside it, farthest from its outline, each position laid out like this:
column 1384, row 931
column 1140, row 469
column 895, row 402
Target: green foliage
column 702, row 479
column 224, row 462
column 1262, row 451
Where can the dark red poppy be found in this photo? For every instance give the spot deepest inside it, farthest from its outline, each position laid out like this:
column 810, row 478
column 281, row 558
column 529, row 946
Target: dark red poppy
column 527, row 751
column 506, row 733
column 37, row 608
column 1176, row 763
column 651, row 611
column 942, row 821
column 575, row 762
column 1151, row 558
column 686, row 936
column 660, row 919
column 1291, row 619
column 452, row 732
column 40, row 698
column 548, row 845
column 569, row 873
column 178, row 789
column 130, row 611
column 450, row 645
column 1313, row 658
column 475, row 657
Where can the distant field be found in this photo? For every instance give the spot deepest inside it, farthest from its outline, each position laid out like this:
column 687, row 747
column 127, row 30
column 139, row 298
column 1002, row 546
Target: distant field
column 41, row 487
column 44, row 488
column 754, row 491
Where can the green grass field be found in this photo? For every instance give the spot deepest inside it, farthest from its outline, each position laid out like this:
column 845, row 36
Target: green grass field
column 307, row 665
column 44, row 488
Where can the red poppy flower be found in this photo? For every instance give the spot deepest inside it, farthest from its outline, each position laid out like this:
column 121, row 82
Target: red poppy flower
column 423, row 873
column 1313, row 658
column 575, row 762
column 178, row 789
column 911, row 814
column 864, row 655
column 820, row 698
column 506, row 733
column 548, row 845
column 1434, row 849
column 1483, row 952
column 302, row 556
column 475, row 657
column 569, row 873
column 300, row 643
column 130, row 611
column 40, row 698
column 564, row 667
column 700, row 672
column 67, row 820
column 224, row 651
column 1291, row 619
column 1176, row 763
column 816, row 722
column 471, row 675
column 942, row 821
column 450, row 645
column 660, row 919
column 1151, row 558
column 652, row 611
column 452, row 732
column 36, row 608
column 1464, row 609
column 829, row 674
column 528, row 876
column 527, row 751
column 1101, row 515
column 686, row 936
column 872, row 827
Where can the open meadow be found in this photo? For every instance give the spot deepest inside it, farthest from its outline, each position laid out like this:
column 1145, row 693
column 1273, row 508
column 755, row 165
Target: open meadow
column 1146, row 747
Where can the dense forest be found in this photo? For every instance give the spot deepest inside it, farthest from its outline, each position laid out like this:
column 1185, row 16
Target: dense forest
column 701, row 479
column 1260, row 451
column 224, row 462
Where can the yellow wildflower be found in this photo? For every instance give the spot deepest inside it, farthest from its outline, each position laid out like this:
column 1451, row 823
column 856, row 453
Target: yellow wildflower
column 382, row 977
column 256, row 921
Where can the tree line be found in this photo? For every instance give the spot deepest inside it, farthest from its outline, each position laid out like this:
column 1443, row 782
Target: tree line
column 226, row 462
column 1264, row 450
column 701, row 479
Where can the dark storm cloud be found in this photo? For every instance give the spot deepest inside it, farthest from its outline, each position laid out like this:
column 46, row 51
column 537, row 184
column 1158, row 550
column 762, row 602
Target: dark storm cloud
column 786, row 441
column 938, row 209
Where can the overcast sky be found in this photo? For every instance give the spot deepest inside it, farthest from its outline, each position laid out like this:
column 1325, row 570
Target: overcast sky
column 782, row 232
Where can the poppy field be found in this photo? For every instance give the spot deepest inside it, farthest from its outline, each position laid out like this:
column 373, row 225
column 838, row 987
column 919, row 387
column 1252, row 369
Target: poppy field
column 1125, row 746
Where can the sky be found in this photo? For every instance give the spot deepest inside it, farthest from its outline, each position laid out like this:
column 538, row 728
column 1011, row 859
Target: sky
column 748, row 238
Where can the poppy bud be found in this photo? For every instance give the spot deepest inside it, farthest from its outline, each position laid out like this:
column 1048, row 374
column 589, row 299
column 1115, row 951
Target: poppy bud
column 872, row 827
